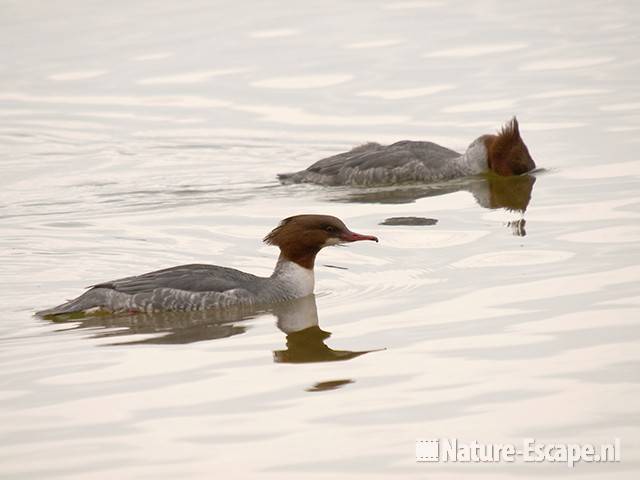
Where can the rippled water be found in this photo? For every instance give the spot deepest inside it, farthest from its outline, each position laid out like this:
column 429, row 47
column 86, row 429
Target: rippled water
column 140, row 135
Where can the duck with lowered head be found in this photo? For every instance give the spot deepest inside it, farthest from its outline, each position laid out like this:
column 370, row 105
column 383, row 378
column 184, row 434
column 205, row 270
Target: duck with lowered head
column 372, row 164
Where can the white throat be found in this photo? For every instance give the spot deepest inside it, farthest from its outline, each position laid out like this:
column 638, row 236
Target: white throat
column 298, row 281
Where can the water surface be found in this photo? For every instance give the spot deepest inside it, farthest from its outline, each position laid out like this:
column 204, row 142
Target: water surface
column 141, row 135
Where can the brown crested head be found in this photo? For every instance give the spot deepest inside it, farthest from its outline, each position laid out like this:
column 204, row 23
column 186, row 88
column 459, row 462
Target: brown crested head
column 507, row 153
column 301, row 237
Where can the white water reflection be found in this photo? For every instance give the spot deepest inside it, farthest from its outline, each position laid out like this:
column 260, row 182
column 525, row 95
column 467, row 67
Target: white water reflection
column 513, row 258
column 376, row 43
column 576, row 92
column 303, row 82
column 484, row 106
column 565, row 63
column 136, row 137
column 476, row 50
column 74, row 76
column 398, row 94
column 277, row 33
column 192, row 77
column 152, row 56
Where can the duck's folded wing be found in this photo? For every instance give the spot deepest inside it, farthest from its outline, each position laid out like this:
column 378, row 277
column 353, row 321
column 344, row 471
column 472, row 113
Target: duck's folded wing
column 373, row 155
column 192, row 278
column 332, row 165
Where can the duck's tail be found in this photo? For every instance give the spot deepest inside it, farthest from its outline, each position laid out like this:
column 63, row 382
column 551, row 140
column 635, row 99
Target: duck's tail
column 91, row 299
column 287, row 178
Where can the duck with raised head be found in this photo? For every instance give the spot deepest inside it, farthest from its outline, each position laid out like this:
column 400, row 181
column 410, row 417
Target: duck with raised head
column 372, row 164
column 202, row 287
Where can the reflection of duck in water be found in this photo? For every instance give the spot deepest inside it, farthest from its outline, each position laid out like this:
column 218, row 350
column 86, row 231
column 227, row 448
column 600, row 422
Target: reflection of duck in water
column 305, row 339
column 298, row 319
column 372, row 164
column 165, row 327
column 490, row 191
column 204, row 287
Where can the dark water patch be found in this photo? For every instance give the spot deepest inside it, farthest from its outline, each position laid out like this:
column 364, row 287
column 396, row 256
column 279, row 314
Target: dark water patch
column 329, row 385
column 409, row 221
column 96, row 184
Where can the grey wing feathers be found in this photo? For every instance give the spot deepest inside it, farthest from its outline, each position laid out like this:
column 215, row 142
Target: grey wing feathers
column 332, row 165
column 194, row 278
column 372, row 155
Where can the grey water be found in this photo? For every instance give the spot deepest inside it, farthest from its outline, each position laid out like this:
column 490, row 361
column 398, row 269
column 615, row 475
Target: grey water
column 141, row 135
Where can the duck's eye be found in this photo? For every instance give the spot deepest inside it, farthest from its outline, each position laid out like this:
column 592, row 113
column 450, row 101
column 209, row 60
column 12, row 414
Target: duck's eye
column 330, row 229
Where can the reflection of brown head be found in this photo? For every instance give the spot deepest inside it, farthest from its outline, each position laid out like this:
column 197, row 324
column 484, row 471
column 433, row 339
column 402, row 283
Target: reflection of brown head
column 513, row 193
column 307, row 346
column 507, row 153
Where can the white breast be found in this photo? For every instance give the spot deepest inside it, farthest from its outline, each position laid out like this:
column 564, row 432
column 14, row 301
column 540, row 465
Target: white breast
column 298, row 281
column 474, row 159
